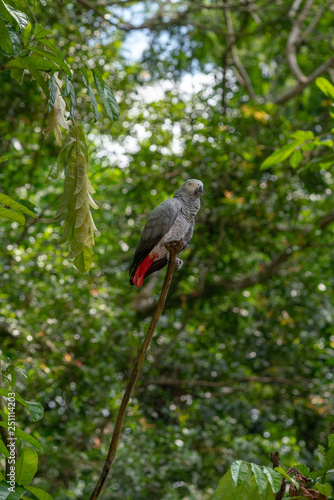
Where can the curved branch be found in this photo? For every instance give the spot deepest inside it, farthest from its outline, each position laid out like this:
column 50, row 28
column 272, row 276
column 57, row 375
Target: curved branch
column 173, row 248
column 298, row 89
column 292, row 42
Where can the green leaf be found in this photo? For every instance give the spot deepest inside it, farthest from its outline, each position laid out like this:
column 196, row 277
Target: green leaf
column 6, row 494
column 325, row 86
column 61, row 162
column 255, row 493
column 296, row 158
column 3, row 449
column 303, row 135
column 20, row 17
column 280, row 154
column 69, row 90
column 26, row 466
column 318, row 474
column 286, row 475
column 40, row 494
column 260, row 477
column 324, row 141
column 274, row 478
column 106, row 95
column 242, row 492
column 83, row 261
column 239, row 471
column 325, row 489
column 5, row 14
column 26, row 34
column 16, row 42
column 30, row 206
column 330, row 458
column 52, row 57
column 308, row 146
column 226, row 488
column 325, row 162
column 17, row 74
column 9, row 202
column 5, row 213
column 303, row 469
column 90, row 93
column 53, row 91
column 41, row 32
column 331, row 440
column 35, row 409
column 5, row 39
column 38, row 76
column 52, row 47
column 33, row 62
column 28, row 438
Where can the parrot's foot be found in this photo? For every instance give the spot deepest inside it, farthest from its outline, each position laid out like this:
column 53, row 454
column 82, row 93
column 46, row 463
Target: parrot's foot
column 173, row 246
column 179, row 263
column 173, row 243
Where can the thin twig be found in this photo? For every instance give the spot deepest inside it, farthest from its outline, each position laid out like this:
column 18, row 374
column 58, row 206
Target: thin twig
column 313, row 23
column 173, row 248
column 31, row 12
column 236, row 59
column 230, row 386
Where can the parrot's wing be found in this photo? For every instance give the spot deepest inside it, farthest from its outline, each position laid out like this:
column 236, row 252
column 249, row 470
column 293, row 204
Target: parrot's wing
column 159, row 264
column 189, row 234
column 158, row 224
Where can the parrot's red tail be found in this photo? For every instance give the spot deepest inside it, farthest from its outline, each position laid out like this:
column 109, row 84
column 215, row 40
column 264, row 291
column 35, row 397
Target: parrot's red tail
column 142, row 270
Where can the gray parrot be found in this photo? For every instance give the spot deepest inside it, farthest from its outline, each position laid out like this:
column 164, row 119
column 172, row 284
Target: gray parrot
column 172, row 220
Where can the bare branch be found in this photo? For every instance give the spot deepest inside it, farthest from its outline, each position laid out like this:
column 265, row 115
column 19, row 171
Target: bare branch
column 291, row 45
column 173, row 248
column 298, row 89
column 272, row 268
column 231, row 43
column 313, row 23
column 294, row 8
column 228, row 387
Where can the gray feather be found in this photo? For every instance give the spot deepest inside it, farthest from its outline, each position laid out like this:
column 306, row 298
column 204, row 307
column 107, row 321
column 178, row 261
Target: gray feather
column 189, row 234
column 158, row 224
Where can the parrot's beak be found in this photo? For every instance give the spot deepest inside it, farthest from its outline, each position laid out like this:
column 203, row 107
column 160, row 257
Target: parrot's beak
column 199, row 191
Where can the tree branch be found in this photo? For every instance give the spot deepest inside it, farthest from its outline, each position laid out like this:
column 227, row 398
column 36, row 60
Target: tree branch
column 277, row 261
column 173, row 248
column 295, row 38
column 291, row 46
column 298, row 89
column 218, row 384
column 231, row 43
column 313, row 23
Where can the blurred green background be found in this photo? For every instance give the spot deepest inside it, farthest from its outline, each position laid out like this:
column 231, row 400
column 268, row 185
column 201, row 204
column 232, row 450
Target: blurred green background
column 242, row 362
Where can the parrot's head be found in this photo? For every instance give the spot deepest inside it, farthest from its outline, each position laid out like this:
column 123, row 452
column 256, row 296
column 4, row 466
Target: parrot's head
column 193, row 188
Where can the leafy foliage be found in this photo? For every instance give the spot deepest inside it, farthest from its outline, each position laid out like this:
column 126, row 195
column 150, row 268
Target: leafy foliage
column 76, row 200
column 12, row 210
column 265, row 483
column 24, row 458
column 242, row 363
column 43, row 60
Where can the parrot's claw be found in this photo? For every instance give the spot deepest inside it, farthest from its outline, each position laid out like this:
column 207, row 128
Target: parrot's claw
column 179, row 263
column 170, row 242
